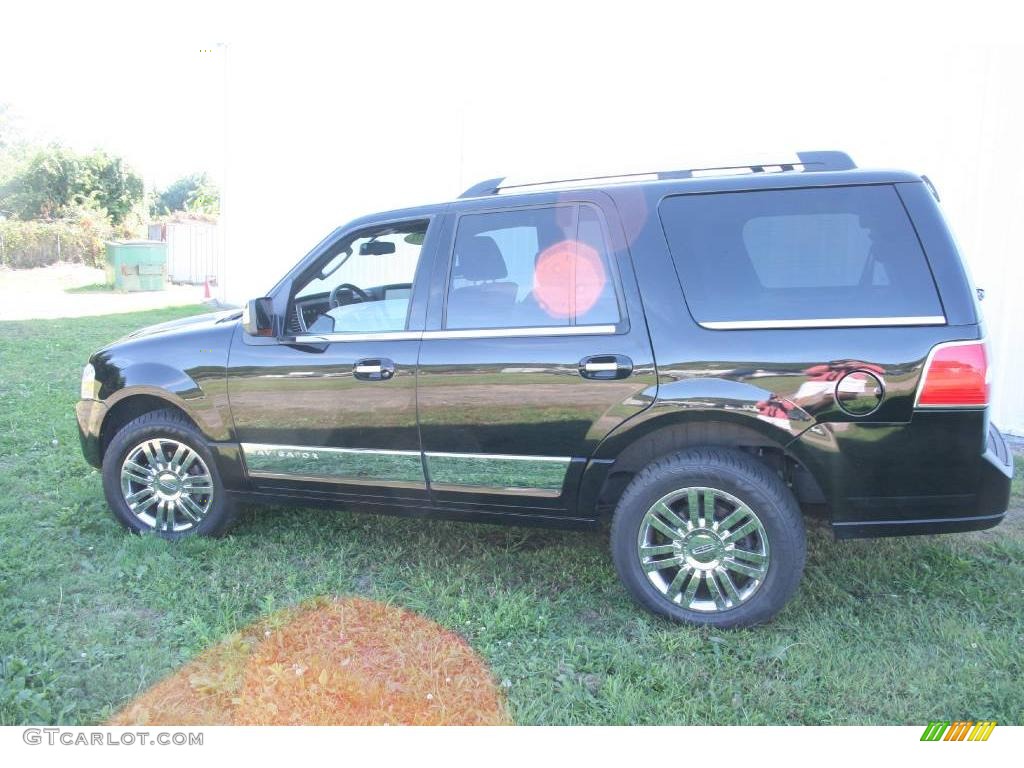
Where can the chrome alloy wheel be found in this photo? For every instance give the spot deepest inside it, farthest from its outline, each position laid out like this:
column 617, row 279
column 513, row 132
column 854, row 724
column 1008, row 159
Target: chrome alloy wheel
column 166, row 485
column 703, row 549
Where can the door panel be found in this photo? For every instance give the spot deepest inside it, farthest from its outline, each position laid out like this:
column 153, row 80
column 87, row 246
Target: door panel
column 330, row 409
column 509, row 421
column 510, row 415
column 302, row 415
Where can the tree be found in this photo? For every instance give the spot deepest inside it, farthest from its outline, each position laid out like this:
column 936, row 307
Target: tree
column 194, row 193
column 53, row 181
column 114, row 186
column 44, row 186
column 206, row 199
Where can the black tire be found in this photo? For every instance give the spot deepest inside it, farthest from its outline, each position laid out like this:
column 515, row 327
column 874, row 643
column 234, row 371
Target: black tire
column 746, row 479
column 168, row 425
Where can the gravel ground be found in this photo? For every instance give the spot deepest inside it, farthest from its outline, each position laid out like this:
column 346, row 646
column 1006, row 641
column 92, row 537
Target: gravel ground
column 57, row 291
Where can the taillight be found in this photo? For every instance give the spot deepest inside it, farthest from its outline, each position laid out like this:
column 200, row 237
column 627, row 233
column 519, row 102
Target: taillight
column 955, row 375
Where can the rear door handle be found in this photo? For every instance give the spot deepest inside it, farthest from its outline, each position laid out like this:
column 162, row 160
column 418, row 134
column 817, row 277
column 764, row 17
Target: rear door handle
column 374, row 369
column 606, row 367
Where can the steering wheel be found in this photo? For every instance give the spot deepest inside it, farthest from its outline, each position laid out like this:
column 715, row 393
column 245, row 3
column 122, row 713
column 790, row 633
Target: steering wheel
column 355, row 290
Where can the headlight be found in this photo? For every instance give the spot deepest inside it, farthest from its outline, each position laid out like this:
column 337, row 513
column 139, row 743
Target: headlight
column 89, row 389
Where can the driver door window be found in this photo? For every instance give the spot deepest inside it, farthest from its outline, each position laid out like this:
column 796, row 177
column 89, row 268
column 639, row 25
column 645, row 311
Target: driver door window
column 363, row 285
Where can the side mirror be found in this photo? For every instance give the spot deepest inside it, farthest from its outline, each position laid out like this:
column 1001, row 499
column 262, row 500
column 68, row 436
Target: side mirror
column 258, row 317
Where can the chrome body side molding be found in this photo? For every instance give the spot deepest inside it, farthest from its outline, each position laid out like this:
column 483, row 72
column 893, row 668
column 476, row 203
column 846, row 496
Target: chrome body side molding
column 481, row 472
column 402, row 469
column 498, row 473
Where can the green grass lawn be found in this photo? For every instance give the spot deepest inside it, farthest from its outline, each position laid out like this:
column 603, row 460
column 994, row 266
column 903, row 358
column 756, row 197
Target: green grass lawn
column 92, row 288
column 881, row 631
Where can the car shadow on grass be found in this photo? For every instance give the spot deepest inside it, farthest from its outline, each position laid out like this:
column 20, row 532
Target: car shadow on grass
column 517, row 558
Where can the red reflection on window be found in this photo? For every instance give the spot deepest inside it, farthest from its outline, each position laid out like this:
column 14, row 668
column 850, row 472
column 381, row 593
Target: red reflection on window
column 836, row 370
column 775, row 407
column 562, row 267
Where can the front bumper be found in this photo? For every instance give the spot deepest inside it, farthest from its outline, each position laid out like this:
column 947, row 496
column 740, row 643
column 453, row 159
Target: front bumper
column 90, row 415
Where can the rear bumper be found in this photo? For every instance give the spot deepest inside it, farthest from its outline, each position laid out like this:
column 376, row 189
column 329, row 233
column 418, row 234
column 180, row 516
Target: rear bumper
column 90, row 414
column 876, row 528
column 943, row 471
column 985, row 507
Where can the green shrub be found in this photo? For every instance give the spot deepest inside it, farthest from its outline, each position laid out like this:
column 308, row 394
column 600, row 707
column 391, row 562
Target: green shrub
column 26, row 244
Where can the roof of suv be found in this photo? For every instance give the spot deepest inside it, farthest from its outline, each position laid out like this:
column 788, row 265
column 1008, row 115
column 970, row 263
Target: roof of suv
column 803, row 169
column 824, row 168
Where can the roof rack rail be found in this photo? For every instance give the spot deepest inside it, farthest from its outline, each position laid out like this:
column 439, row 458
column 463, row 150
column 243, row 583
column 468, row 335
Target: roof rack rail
column 805, row 161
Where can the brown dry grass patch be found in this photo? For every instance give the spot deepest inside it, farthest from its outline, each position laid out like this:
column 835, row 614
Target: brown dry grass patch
column 331, row 662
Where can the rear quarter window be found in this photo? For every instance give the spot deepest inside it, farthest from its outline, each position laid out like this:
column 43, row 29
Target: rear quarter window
column 832, row 255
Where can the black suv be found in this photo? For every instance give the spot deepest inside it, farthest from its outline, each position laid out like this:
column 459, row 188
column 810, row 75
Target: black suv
column 704, row 354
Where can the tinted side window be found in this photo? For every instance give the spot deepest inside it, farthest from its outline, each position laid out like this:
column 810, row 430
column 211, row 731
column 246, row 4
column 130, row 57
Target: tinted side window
column 363, row 284
column 536, row 267
column 799, row 254
column 595, row 299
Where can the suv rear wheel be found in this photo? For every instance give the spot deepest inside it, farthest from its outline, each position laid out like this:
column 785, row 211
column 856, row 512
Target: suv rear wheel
column 709, row 536
column 159, row 476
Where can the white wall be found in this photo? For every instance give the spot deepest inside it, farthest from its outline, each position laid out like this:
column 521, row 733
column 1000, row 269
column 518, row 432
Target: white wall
column 387, row 109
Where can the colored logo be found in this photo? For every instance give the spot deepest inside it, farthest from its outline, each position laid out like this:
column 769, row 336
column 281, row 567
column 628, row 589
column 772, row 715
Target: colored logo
column 960, row 730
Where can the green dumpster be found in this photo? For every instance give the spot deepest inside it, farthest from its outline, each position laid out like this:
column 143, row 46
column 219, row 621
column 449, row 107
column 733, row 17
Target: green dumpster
column 137, row 265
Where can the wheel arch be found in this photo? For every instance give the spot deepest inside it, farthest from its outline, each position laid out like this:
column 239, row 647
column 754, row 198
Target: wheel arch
column 132, row 404
column 624, row 454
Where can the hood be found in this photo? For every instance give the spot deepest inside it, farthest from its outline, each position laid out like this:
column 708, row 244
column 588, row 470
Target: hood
column 192, row 323
column 182, row 358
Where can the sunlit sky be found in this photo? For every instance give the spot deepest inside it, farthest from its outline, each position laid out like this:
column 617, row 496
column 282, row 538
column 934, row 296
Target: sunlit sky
column 337, row 110
column 525, row 88
column 156, row 102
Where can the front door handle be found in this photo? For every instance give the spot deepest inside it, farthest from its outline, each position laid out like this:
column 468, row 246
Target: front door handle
column 606, row 367
column 374, row 369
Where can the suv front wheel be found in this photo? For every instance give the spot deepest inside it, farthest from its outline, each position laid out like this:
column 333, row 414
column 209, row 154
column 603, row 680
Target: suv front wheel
column 159, row 476
column 709, row 536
